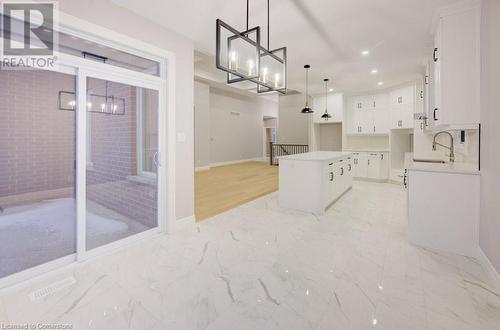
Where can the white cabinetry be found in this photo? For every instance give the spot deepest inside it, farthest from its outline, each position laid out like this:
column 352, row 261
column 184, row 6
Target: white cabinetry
column 370, row 165
column 402, row 104
column 312, row 181
column 335, row 109
column 444, row 211
column 455, row 87
column 368, row 115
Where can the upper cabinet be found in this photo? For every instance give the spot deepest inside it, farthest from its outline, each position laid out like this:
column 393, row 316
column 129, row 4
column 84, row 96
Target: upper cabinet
column 378, row 114
column 455, row 68
column 368, row 115
column 335, row 109
column 402, row 107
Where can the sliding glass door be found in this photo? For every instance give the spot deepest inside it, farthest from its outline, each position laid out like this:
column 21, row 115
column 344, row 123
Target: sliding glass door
column 121, row 161
column 37, row 168
column 80, row 162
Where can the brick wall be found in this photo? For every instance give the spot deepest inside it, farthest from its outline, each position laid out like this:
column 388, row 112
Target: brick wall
column 37, row 145
column 36, row 140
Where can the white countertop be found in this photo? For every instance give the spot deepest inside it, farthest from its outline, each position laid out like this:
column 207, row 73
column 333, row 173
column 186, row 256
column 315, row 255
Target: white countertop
column 457, row 168
column 316, row 156
column 367, row 150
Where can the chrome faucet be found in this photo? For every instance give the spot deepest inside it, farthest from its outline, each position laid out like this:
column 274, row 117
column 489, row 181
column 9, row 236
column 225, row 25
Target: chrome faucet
column 451, row 147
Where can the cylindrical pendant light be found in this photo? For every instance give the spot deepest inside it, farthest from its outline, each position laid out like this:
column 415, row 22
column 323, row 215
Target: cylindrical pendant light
column 307, row 109
column 326, row 115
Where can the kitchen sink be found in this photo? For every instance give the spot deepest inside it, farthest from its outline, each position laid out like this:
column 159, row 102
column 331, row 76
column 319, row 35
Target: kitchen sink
column 435, row 161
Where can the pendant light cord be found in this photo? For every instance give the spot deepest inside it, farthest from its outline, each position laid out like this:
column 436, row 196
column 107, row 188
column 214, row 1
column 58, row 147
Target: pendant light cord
column 307, row 87
column 268, row 25
column 326, row 96
column 248, row 12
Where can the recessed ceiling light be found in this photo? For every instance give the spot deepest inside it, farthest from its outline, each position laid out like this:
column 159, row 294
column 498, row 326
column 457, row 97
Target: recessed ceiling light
column 374, row 71
column 330, row 90
column 380, row 83
column 365, row 52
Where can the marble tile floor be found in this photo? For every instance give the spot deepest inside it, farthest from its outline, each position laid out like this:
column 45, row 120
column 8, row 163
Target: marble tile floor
column 263, row 267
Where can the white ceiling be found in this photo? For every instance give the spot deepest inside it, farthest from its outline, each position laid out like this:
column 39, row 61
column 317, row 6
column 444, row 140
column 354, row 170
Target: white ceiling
column 327, row 34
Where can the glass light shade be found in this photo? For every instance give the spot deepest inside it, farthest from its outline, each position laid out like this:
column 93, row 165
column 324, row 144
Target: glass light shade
column 237, row 53
column 272, row 75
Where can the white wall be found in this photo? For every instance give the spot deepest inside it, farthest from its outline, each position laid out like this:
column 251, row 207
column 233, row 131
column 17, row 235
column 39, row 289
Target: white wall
column 293, row 125
column 229, row 126
column 201, row 125
column 489, row 233
column 113, row 17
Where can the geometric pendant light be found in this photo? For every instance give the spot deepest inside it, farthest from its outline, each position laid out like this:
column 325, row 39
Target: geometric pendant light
column 307, row 109
column 326, row 115
column 242, row 57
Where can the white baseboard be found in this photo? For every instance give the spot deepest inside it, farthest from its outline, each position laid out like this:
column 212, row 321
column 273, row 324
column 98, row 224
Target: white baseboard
column 187, row 223
column 490, row 270
column 257, row 159
column 201, row 168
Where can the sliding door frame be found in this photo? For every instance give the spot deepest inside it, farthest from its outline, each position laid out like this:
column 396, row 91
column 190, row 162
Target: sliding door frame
column 164, row 84
column 113, row 74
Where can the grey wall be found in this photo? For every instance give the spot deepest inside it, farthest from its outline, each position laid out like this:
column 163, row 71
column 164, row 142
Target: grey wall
column 229, row 126
column 489, row 232
column 236, row 125
column 201, row 124
column 293, row 125
column 330, row 137
column 113, row 17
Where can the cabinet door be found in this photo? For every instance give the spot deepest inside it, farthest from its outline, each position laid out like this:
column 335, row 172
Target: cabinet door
column 368, row 102
column 381, row 121
column 357, row 103
column 402, row 96
column 353, row 126
column 341, row 175
column 330, row 180
column 380, row 101
column 362, row 167
column 366, row 121
column 436, row 79
column 373, row 166
column 402, row 117
column 384, row 165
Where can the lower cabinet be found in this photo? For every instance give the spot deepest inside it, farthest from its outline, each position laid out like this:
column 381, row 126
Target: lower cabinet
column 370, row 165
column 338, row 178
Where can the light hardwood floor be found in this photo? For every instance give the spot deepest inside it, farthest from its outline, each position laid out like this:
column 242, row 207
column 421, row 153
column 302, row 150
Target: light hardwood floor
column 225, row 187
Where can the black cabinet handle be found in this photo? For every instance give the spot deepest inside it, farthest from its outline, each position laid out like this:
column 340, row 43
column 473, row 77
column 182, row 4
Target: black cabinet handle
column 331, row 176
column 405, row 182
column 341, row 171
column 435, row 118
column 350, row 167
column 368, row 162
column 434, row 55
column 381, row 156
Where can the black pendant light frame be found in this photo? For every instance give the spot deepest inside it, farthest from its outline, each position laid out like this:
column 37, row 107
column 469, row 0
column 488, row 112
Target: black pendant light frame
column 261, row 52
column 307, row 109
column 326, row 115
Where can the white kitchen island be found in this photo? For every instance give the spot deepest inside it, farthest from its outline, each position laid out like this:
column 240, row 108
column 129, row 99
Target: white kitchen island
column 312, row 181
